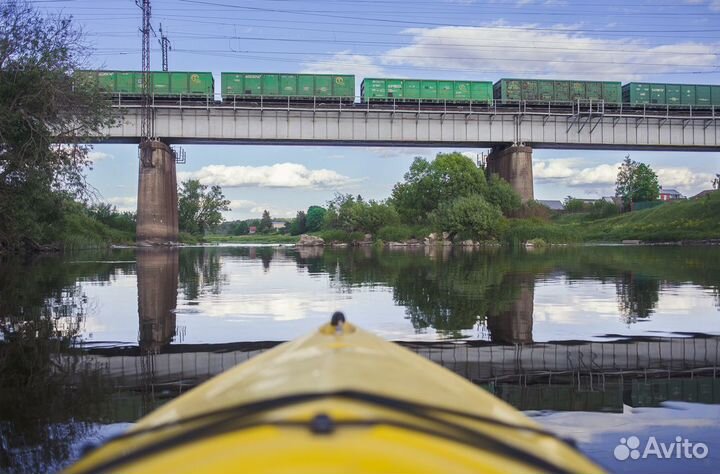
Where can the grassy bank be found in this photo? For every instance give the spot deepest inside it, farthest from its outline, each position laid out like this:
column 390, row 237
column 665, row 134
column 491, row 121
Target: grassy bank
column 696, row 219
column 253, row 239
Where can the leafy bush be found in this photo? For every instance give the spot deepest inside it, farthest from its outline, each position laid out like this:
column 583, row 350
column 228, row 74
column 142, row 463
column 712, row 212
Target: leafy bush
column 470, row 216
column 573, row 205
column 533, row 210
column 503, row 195
column 601, row 209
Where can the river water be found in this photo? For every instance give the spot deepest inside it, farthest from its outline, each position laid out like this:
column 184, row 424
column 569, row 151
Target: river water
column 597, row 343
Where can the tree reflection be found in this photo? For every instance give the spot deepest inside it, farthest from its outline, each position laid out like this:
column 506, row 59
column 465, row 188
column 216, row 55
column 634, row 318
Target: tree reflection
column 200, row 272
column 47, row 396
column 637, row 296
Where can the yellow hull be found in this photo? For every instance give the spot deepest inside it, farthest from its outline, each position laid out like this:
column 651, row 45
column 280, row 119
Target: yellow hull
column 336, row 402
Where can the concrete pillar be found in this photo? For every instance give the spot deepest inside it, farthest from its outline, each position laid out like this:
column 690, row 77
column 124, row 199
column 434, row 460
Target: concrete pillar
column 513, row 322
column 514, row 165
column 157, row 281
column 157, row 211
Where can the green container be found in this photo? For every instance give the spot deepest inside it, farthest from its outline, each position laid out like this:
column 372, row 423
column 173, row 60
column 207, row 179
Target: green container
column 306, row 85
column 343, row 86
column 394, row 88
column 687, row 94
column 323, row 86
column 428, row 89
column 373, row 89
column 411, row 89
column 288, row 85
column 673, row 94
column 461, row 91
column 561, row 90
column 636, row 93
column 445, row 90
column 577, row 90
column 128, row 82
column 715, row 95
column 513, row 90
column 657, row 94
column 545, row 91
column 160, row 83
column 270, row 85
column 178, row 83
column 594, row 90
column 481, row 91
column 703, row 95
column 106, row 81
column 529, row 90
column 231, row 84
column 252, row 84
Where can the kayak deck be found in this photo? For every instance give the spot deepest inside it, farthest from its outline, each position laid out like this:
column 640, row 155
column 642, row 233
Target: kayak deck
column 337, row 401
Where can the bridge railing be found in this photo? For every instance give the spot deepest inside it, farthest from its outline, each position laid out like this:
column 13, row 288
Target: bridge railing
column 401, row 105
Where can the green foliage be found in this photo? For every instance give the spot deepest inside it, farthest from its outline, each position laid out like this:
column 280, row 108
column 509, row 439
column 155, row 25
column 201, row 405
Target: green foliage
column 111, row 217
column 38, row 104
column 315, row 217
column 533, row 210
column 525, row 230
column 503, row 195
column 636, row 182
column 469, row 217
column 265, row 225
column 340, row 235
column 299, row 224
column 353, row 214
column 200, row 208
column 573, row 205
column 601, row 209
column 241, row 228
column 429, row 184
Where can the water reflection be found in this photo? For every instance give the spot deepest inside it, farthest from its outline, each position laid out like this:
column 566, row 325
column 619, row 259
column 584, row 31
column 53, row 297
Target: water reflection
column 157, row 283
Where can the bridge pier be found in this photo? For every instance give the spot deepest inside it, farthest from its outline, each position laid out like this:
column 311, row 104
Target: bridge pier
column 157, row 203
column 514, row 165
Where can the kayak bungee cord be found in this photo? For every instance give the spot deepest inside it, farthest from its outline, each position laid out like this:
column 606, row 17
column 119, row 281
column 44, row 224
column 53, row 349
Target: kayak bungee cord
column 228, row 421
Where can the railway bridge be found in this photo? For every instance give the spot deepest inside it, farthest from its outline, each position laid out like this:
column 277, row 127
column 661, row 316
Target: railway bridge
column 511, row 131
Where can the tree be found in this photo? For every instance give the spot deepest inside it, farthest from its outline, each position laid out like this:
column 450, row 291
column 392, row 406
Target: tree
column 315, row 216
column 299, row 224
column 41, row 105
column 470, row 217
column 573, row 205
column 200, row 208
column 636, row 182
column 428, row 184
column 503, row 195
column 265, row 222
column 241, row 228
column 716, row 181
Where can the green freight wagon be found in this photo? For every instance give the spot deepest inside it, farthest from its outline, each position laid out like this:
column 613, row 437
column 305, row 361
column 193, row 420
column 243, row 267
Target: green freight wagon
column 543, row 90
column 388, row 89
column 645, row 93
column 240, row 85
column 161, row 83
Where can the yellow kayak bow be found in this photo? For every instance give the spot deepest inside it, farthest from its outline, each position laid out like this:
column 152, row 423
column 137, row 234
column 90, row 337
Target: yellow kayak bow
column 339, row 400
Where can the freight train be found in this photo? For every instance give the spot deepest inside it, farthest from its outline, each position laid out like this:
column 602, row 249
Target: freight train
column 241, row 86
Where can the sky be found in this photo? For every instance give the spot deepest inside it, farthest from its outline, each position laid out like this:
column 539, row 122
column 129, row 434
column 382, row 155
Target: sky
column 632, row 40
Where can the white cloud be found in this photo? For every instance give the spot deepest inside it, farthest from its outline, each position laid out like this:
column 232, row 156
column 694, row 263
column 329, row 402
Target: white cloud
column 279, row 175
column 684, row 177
column 524, row 50
column 714, row 5
column 237, row 204
column 400, row 152
column 124, row 203
column 570, row 172
column 96, row 156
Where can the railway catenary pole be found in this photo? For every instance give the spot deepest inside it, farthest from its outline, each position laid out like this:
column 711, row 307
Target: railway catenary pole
column 146, row 125
column 164, row 48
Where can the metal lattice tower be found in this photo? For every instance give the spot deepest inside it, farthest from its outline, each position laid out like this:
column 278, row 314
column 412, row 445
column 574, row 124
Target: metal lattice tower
column 164, row 47
column 147, row 122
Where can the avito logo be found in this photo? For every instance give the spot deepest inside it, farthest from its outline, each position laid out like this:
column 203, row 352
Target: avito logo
column 629, row 448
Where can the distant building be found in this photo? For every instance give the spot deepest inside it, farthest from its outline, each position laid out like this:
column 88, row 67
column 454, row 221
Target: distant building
column 252, row 229
column 277, row 225
column 670, row 195
column 553, row 205
column 617, row 200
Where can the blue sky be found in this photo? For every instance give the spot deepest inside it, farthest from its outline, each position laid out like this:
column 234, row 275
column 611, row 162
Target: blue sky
column 658, row 40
